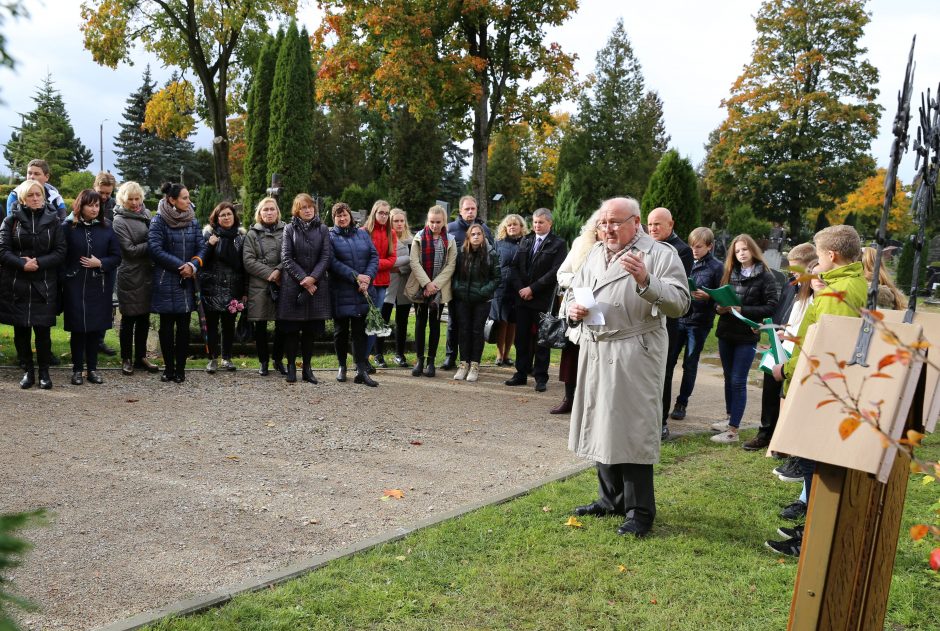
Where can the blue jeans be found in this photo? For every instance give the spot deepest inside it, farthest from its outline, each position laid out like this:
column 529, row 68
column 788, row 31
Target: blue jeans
column 379, row 300
column 693, row 339
column 736, row 362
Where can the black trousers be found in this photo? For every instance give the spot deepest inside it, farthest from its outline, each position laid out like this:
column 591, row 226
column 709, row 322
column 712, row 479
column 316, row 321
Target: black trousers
column 401, row 327
column 174, row 342
column 769, row 406
column 341, row 330
column 303, row 332
column 24, row 350
column 672, row 329
column 261, row 342
column 428, row 316
column 452, row 342
column 133, row 336
column 213, row 319
column 84, row 347
column 626, row 487
column 530, row 357
column 472, row 317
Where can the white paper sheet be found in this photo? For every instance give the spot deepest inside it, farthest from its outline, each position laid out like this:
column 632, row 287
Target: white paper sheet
column 585, row 297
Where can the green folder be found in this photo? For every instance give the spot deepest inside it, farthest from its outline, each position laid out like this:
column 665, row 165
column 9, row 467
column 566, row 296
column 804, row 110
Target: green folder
column 724, row 296
column 692, row 286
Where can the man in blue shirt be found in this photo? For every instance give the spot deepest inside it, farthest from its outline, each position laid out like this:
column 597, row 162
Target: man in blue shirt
column 38, row 171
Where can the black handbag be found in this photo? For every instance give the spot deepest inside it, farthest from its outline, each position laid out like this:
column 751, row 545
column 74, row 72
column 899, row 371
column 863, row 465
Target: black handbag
column 552, row 330
column 244, row 332
column 274, row 291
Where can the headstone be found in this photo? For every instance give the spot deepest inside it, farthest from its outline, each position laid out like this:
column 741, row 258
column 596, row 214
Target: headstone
column 773, row 258
column 933, row 249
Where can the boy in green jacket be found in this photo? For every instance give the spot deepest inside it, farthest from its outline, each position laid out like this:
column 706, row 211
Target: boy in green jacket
column 838, row 249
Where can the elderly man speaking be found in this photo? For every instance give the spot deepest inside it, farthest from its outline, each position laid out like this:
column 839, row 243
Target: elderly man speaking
column 636, row 283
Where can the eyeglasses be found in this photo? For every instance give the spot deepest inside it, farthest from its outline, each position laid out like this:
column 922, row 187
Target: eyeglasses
column 382, row 213
column 613, row 225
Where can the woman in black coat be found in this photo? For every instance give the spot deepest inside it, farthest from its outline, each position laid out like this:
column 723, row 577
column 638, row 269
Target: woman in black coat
column 32, row 247
column 304, row 302
column 177, row 250
column 353, row 267
column 222, row 280
column 91, row 258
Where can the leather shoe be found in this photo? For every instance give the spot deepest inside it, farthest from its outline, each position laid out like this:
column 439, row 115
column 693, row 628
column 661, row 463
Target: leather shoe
column 664, row 434
column 263, row 369
column 562, row 408
column 307, row 374
column 341, row 374
column 147, row 365
column 180, row 377
column 380, row 362
column 45, row 381
column 540, row 386
column 94, row 377
column 280, row 367
column 633, row 527
column 401, row 361
column 77, row 378
column 449, row 363
column 127, row 367
column 362, row 376
column 517, row 380
column 429, row 370
column 29, row 378
column 107, row 350
column 291, row 373
column 166, row 377
column 595, row 509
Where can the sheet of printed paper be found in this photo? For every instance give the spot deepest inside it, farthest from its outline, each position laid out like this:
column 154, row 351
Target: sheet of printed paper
column 584, row 296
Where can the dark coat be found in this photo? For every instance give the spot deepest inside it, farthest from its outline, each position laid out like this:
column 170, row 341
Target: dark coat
column 479, row 282
column 684, row 251
column 223, row 273
column 170, row 248
column 261, row 255
column 306, row 253
column 87, row 292
column 135, row 274
column 538, row 272
column 706, row 272
column 786, row 298
column 353, row 254
column 30, row 298
column 458, row 230
column 758, row 294
column 505, row 298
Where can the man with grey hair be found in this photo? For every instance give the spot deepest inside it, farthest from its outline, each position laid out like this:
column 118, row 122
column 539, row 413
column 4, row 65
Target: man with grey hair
column 636, row 283
column 538, row 258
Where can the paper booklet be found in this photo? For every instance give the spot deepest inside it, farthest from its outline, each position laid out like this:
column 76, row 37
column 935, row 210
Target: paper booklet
column 724, row 296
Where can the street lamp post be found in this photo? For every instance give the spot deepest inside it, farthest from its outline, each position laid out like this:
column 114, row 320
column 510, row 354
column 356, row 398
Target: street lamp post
column 101, row 145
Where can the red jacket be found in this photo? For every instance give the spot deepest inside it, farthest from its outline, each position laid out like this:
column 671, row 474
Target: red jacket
column 386, row 260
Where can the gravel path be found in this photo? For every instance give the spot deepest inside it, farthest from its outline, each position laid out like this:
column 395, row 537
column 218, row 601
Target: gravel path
column 160, row 492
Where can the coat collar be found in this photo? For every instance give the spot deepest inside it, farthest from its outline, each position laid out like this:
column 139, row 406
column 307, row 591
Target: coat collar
column 615, row 271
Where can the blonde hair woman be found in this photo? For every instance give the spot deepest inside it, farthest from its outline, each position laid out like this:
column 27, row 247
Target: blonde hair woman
column 889, row 296
column 502, row 311
column 379, row 227
column 396, row 297
column 261, row 255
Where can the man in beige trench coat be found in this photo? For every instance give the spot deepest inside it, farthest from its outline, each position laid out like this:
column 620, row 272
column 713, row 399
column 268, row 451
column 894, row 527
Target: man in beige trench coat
column 616, row 418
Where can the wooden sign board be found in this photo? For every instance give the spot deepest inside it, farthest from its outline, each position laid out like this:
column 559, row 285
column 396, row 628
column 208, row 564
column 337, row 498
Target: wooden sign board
column 931, row 325
column 811, row 431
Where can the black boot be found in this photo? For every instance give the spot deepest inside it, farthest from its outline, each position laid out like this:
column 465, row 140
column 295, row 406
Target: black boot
column 418, row 369
column 77, row 378
column 308, row 375
column 341, row 374
column 263, row 369
column 280, row 367
column 429, row 370
column 291, row 372
column 362, row 376
column 29, row 378
column 45, row 382
column 94, row 377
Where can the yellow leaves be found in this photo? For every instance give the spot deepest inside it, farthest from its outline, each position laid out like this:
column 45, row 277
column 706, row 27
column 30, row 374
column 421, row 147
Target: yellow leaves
column 573, row 522
column 169, row 111
column 919, row 531
column 621, row 568
column 388, row 494
column 848, row 426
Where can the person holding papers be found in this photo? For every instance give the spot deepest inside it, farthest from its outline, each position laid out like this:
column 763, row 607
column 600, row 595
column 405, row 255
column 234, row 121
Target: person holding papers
column 755, row 298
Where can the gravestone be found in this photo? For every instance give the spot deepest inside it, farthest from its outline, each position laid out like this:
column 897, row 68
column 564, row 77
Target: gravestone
column 773, row 258
column 933, row 249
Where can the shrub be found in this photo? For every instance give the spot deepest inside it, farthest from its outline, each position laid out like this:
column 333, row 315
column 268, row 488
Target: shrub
column 74, row 182
column 741, row 220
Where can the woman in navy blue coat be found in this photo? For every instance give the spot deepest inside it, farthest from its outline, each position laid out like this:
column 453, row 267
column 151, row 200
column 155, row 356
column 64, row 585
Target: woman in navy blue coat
column 355, row 264
column 178, row 250
column 92, row 256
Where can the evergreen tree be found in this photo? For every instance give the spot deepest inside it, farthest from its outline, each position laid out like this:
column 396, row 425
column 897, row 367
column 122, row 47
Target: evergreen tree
column 674, row 185
column 258, row 122
column 567, row 217
column 290, row 137
column 47, row 133
column 343, row 142
column 504, row 166
column 822, row 221
column 618, row 135
column 453, row 183
column 905, row 268
column 415, row 161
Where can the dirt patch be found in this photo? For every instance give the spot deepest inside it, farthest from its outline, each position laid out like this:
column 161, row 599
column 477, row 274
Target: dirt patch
column 159, row 492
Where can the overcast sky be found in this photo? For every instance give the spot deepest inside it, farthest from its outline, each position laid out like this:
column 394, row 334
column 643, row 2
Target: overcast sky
column 690, row 51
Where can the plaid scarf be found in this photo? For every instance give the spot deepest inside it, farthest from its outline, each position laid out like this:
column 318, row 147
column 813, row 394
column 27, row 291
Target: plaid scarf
column 427, row 249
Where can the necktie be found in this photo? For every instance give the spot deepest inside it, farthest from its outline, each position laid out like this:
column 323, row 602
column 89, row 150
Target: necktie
column 537, row 245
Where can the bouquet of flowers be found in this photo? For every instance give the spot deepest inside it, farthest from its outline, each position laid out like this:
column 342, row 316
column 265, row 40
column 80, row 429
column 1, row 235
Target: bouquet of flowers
column 234, row 306
column 375, row 323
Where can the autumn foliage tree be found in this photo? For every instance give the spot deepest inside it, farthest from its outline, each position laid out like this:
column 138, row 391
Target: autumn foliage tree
column 478, row 65
column 214, row 39
column 801, row 116
column 867, row 202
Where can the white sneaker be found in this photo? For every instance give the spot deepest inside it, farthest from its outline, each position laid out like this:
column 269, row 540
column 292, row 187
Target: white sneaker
column 474, row 371
column 462, row 370
column 721, row 426
column 212, row 366
column 730, row 436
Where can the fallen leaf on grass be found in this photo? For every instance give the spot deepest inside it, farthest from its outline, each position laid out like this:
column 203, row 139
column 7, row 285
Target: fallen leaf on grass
column 546, row 509
column 415, row 442
column 396, row 493
column 919, row 531
column 574, row 523
column 653, row 601
column 131, row 400
column 621, row 568
column 400, row 558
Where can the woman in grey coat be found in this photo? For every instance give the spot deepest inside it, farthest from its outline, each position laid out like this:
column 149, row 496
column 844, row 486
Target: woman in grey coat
column 395, row 297
column 262, row 258
column 131, row 225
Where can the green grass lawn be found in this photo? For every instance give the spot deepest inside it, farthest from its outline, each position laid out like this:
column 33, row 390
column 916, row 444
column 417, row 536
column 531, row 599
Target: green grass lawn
column 518, row 566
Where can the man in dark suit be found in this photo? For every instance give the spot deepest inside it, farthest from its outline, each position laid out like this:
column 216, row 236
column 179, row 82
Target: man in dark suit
column 540, row 255
column 661, row 224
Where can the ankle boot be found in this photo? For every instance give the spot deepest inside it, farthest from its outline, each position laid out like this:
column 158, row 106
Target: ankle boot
column 341, row 374
column 462, row 371
column 307, row 373
column 280, row 367
column 29, row 378
column 474, row 373
column 263, row 369
column 362, row 376
column 94, row 377
column 429, row 368
column 562, row 408
column 291, row 372
column 45, row 382
column 418, row 369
